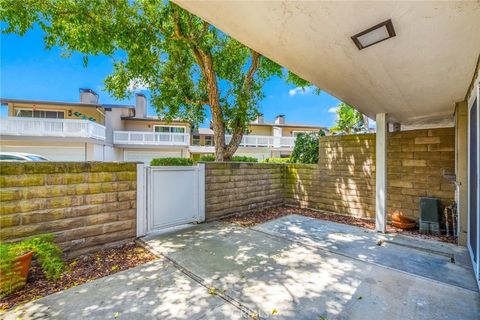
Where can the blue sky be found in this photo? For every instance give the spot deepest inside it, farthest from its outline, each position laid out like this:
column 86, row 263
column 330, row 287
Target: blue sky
column 29, row 71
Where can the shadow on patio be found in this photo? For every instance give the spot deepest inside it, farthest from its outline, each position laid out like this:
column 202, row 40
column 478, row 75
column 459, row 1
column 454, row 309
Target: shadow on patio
column 284, row 275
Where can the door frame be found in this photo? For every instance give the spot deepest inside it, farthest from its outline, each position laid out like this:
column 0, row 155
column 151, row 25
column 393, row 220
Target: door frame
column 474, row 97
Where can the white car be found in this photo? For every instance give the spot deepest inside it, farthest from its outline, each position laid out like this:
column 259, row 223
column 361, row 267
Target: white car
column 17, row 156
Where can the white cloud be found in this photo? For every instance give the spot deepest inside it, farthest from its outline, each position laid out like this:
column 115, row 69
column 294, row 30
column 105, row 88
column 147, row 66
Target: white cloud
column 137, row 84
column 299, row 90
column 333, row 110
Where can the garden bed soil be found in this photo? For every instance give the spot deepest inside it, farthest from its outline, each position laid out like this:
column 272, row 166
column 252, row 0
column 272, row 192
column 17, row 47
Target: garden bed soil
column 257, row 217
column 78, row 271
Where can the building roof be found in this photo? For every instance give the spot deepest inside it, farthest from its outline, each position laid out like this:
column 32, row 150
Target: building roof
column 204, row 131
column 152, row 118
column 288, row 125
column 61, row 103
column 418, row 74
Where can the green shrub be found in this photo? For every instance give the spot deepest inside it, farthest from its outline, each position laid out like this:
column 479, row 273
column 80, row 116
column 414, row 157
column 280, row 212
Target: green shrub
column 171, row 162
column 209, row 158
column 244, row 159
column 48, row 254
column 276, row 160
column 306, row 148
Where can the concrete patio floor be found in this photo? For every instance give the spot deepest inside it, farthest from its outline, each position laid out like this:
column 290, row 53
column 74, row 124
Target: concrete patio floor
column 291, row 268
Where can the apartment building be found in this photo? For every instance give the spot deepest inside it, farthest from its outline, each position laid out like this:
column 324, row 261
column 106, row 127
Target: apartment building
column 91, row 131
column 263, row 139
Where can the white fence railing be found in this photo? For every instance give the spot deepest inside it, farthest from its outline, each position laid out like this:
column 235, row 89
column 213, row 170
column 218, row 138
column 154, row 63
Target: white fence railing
column 151, row 138
column 264, row 141
column 201, row 149
column 21, row 126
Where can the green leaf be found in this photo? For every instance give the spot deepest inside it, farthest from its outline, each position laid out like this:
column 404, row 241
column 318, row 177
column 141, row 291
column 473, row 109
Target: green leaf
column 188, row 65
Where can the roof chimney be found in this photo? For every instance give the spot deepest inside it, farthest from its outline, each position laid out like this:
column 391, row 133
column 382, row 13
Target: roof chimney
column 280, row 119
column 260, row 119
column 88, row 96
column 140, row 106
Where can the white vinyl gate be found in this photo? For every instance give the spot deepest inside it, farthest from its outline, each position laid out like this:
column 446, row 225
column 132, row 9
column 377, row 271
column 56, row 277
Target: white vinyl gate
column 174, row 196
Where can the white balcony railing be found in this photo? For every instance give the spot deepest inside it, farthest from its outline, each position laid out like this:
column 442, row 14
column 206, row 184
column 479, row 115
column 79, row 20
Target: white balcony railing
column 151, row 138
column 265, row 141
column 21, row 126
column 201, row 149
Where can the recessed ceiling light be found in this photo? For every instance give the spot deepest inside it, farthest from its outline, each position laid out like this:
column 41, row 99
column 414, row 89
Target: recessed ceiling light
column 375, row 34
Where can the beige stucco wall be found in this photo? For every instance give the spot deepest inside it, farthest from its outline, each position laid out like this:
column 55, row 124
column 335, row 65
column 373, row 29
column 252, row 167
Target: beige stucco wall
column 87, row 111
column 260, row 130
column 267, row 130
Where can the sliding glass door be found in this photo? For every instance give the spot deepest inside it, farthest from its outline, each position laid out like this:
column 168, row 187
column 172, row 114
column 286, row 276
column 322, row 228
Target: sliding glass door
column 473, row 180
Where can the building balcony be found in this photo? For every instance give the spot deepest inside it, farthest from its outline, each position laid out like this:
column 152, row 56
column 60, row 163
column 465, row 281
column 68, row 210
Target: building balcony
column 42, row 127
column 201, row 149
column 265, row 141
column 146, row 138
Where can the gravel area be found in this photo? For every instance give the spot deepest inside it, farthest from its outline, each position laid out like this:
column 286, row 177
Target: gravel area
column 256, row 217
column 78, row 271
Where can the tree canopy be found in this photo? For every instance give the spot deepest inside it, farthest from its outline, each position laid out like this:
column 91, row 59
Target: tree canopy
column 187, row 64
column 349, row 120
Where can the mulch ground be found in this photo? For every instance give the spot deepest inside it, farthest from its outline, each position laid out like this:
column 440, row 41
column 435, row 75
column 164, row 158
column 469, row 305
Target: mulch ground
column 78, row 271
column 253, row 218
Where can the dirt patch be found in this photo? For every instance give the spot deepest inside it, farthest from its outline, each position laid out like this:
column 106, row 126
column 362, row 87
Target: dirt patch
column 78, row 271
column 253, row 218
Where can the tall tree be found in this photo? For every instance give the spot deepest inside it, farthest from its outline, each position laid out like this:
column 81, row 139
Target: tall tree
column 187, row 64
column 349, row 120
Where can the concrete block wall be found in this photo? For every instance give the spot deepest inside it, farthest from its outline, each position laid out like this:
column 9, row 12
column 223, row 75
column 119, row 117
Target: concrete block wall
column 417, row 162
column 87, row 205
column 343, row 181
column 241, row 187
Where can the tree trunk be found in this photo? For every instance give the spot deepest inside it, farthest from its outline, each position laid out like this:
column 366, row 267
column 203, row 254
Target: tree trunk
column 214, row 101
column 218, row 133
column 239, row 129
column 232, row 147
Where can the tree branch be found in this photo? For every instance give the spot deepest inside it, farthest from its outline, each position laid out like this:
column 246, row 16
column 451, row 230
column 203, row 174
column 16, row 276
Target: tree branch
column 247, row 84
column 239, row 127
column 197, row 103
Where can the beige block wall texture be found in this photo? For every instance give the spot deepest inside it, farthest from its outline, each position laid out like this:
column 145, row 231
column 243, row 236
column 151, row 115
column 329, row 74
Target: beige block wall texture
column 241, row 187
column 344, row 179
column 418, row 161
column 342, row 182
column 87, row 205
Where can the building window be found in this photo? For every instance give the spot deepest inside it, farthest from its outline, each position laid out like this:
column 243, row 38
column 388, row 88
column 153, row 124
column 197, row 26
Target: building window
column 169, row 129
column 208, row 140
column 47, row 114
column 196, row 140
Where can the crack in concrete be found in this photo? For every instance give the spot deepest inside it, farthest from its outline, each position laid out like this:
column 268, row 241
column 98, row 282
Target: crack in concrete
column 220, row 293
